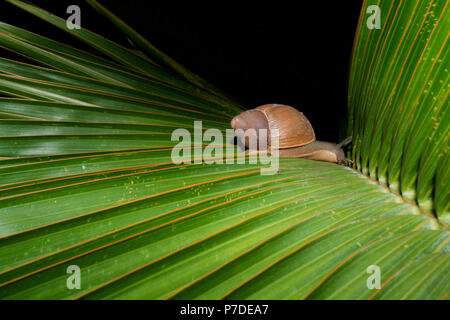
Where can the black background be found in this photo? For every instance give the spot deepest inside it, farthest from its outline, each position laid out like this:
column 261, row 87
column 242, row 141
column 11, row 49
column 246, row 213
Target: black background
column 296, row 53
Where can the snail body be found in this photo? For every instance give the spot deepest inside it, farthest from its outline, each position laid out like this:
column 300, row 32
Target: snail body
column 296, row 137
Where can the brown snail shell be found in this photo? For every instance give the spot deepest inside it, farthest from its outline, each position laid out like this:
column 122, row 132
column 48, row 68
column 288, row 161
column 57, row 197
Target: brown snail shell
column 296, row 135
column 293, row 127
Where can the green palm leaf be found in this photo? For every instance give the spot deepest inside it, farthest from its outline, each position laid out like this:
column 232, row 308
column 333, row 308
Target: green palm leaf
column 87, row 178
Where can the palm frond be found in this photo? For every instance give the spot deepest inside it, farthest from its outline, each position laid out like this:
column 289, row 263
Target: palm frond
column 87, row 178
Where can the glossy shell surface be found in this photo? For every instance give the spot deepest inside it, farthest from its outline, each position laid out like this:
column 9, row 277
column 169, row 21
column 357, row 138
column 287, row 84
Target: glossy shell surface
column 293, row 127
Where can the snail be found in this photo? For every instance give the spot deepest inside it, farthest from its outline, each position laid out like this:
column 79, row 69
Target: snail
column 296, row 136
